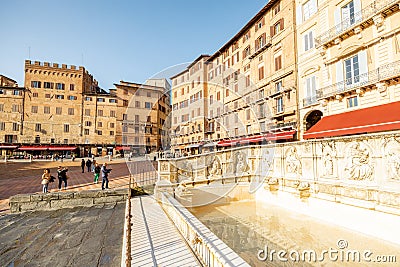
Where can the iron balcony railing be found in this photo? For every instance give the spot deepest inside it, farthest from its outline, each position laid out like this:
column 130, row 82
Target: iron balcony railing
column 385, row 72
column 354, row 20
column 308, row 101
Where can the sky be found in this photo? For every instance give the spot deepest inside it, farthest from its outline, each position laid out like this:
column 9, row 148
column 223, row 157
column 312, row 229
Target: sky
column 119, row 39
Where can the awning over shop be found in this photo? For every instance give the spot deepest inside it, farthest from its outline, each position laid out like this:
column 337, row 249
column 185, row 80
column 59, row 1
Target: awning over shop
column 119, row 148
column 224, row 143
column 285, row 135
column 8, row 147
column 51, row 148
column 193, row 146
column 212, row 144
column 367, row 120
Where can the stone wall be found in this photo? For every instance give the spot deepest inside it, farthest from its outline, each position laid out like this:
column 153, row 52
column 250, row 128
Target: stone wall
column 59, row 200
column 358, row 170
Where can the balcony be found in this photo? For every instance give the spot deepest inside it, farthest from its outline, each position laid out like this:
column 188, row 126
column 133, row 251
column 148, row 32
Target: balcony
column 363, row 19
column 308, row 101
column 285, row 125
column 384, row 73
column 262, row 48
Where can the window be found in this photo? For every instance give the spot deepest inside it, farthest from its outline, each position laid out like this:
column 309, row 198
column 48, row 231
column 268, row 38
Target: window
column 87, row 112
column 261, row 113
column 352, row 70
column 279, row 105
column 248, row 129
column 111, row 132
column 136, row 139
column 348, row 13
column 125, row 116
column 277, row 27
column 60, row 86
column 35, row 95
column 309, row 8
column 1, row 107
column 248, row 114
column 16, row 108
column 58, row 110
column 112, row 100
column 48, row 85
column 125, row 103
column 218, row 96
column 100, row 112
column 352, row 102
column 46, row 110
column 124, row 128
column 2, row 126
column 260, row 72
column 59, row 96
column 88, row 123
column 88, row 98
column 211, row 99
column 137, row 118
column 101, row 99
column 246, row 52
column 72, row 87
column 236, row 131
column 100, row 132
column 99, row 124
column 15, row 126
column 66, row 128
column 147, row 105
column 247, row 80
column 112, row 113
column 137, row 104
column 72, row 97
column 278, row 62
column 35, row 84
column 47, row 95
column 276, row 9
column 148, row 94
column 308, row 41
column 311, row 86
column 112, row 125
column 86, row 132
column 71, row 111
column 17, row 92
column 34, row 109
column 38, row 127
column 175, row 94
column 226, row 92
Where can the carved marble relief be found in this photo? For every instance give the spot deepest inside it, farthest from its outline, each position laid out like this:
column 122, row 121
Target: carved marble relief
column 328, row 157
column 214, row 171
column 292, row 162
column 392, row 159
column 358, row 164
column 240, row 164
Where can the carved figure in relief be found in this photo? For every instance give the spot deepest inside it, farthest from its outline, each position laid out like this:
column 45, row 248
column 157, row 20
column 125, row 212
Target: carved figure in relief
column 215, row 170
column 240, row 163
column 393, row 160
column 293, row 163
column 327, row 159
column 358, row 163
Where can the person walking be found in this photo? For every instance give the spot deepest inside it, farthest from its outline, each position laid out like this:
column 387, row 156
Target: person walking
column 62, row 177
column 104, row 176
column 46, row 180
column 93, row 164
column 89, row 165
column 83, row 165
column 97, row 170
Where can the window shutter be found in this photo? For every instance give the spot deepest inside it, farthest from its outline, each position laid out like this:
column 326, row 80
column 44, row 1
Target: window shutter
column 282, row 25
column 305, row 42
column 337, row 17
column 271, row 31
column 256, row 45
column 311, row 39
column 357, row 9
column 299, row 15
column 263, row 21
column 256, row 27
column 363, row 63
column 264, row 36
column 244, row 54
column 339, row 74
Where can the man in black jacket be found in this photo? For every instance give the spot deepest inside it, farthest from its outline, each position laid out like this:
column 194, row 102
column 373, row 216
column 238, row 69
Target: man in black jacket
column 62, row 177
column 104, row 176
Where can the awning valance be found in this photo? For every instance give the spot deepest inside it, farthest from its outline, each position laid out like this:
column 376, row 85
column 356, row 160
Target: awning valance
column 367, row 120
column 8, row 147
column 62, row 148
column 50, row 148
column 119, row 148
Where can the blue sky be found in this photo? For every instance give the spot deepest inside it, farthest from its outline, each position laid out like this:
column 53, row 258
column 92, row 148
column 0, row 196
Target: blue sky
column 117, row 40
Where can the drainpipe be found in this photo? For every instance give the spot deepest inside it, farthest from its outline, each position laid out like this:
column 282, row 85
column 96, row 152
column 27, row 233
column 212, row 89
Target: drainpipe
column 296, row 71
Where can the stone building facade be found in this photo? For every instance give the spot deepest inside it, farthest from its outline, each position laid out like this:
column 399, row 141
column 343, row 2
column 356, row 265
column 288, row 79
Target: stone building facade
column 62, row 108
column 352, row 66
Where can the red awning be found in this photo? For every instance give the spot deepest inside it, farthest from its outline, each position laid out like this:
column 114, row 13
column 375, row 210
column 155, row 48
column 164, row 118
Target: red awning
column 224, row 143
column 62, row 148
column 367, row 120
column 33, row 148
column 256, row 139
column 119, row 148
column 51, row 148
column 7, row 147
column 280, row 135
